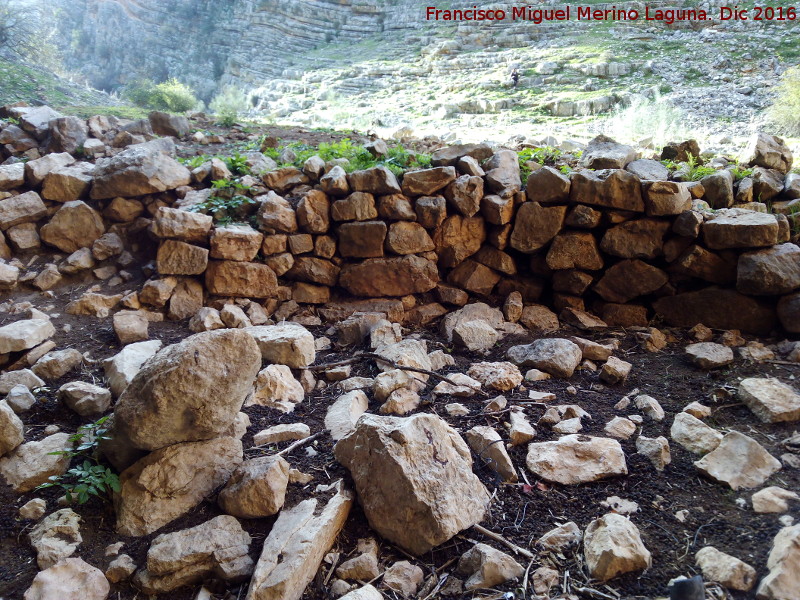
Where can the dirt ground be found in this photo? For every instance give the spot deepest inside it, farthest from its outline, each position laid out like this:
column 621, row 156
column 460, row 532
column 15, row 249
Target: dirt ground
column 521, row 513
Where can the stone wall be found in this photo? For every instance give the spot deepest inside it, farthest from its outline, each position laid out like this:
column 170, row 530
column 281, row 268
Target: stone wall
column 613, row 242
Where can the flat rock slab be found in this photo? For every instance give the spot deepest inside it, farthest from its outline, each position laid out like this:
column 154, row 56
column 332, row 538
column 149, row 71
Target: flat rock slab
column 576, row 458
column 708, row 355
column 770, row 400
column 296, row 546
column 22, row 335
column 739, row 461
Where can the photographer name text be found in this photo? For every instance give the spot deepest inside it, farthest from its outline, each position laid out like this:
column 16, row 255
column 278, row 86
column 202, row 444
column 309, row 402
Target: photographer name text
column 590, row 13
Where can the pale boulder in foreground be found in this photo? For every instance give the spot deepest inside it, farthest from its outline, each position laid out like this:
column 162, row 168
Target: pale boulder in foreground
column 414, row 479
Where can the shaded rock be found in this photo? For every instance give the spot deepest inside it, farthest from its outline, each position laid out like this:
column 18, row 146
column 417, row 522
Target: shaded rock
column 256, row 489
column 56, row 537
column 611, row 188
column 32, row 463
column 487, row 567
column 71, row 579
column 740, row 229
column 295, row 547
column 717, row 308
column 770, row 400
column 629, row 279
column 189, row 391
column 215, row 548
column 574, row 459
column 169, row 482
column 739, row 461
column 708, row 355
column 556, row 356
column 613, row 546
column 723, row 568
column 772, row 271
column 426, row 491
column 535, row 226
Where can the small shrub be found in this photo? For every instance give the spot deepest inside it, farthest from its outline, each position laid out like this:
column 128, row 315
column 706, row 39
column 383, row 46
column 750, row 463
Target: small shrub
column 643, row 118
column 784, row 113
column 228, row 105
column 170, row 96
column 89, row 478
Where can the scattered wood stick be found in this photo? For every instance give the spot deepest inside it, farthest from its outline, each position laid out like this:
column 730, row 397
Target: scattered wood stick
column 595, row 593
column 394, row 365
column 299, row 443
column 499, row 538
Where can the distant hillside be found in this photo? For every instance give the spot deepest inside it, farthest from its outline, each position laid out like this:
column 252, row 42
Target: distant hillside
column 375, row 65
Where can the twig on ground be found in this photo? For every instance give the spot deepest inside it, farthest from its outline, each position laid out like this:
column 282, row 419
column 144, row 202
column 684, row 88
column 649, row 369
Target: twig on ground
column 394, row 365
column 299, row 443
column 499, row 538
column 595, row 593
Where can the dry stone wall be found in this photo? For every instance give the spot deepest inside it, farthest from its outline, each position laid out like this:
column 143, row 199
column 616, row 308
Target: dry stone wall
column 613, row 242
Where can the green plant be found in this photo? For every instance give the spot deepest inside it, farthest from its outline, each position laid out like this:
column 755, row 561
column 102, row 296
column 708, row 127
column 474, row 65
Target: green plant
column 784, row 113
column 228, row 105
column 170, row 95
column 545, row 155
column 223, row 208
column 89, row 478
column 237, row 164
column 696, row 170
column 740, row 173
column 194, row 161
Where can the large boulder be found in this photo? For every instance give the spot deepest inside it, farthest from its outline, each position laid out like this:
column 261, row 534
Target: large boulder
column 164, row 123
column 75, row 225
column 139, row 170
column 169, row 482
column 414, row 479
column 376, row 277
column 189, row 391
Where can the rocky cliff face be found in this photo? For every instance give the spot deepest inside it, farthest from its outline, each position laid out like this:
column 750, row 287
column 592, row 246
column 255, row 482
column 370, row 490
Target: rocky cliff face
column 210, row 42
